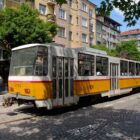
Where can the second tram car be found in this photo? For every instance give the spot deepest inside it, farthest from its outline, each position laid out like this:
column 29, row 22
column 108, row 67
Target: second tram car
column 52, row 76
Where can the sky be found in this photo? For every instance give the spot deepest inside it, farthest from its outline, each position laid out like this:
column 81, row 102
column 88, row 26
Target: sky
column 117, row 15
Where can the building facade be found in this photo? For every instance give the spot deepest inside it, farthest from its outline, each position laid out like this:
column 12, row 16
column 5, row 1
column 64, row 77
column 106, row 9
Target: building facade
column 131, row 35
column 77, row 24
column 76, row 20
column 108, row 31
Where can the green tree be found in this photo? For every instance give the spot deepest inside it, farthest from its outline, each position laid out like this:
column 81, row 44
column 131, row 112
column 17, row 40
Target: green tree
column 22, row 26
column 60, row 2
column 127, row 50
column 104, row 48
column 130, row 9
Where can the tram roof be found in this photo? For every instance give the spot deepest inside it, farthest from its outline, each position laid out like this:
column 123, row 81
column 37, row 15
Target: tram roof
column 91, row 50
column 81, row 49
column 36, row 44
column 26, row 46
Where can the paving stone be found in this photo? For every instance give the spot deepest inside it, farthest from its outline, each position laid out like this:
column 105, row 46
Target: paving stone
column 119, row 121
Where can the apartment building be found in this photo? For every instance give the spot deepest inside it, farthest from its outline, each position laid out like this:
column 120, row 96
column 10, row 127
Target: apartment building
column 77, row 24
column 76, row 20
column 108, row 31
column 131, row 35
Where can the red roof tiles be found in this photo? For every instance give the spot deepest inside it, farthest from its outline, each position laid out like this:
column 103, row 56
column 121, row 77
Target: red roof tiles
column 131, row 32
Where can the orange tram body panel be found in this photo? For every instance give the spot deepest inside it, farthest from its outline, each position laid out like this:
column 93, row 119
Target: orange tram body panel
column 52, row 76
column 129, row 83
column 39, row 90
column 91, row 87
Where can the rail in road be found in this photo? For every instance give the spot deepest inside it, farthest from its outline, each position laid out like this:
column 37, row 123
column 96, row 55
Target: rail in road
column 27, row 112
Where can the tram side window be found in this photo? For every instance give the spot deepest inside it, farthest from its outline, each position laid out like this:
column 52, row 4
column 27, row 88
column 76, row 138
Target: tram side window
column 41, row 63
column 131, row 68
column 123, row 68
column 137, row 69
column 101, row 66
column 85, row 64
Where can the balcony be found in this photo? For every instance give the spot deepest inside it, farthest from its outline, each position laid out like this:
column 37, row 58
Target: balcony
column 51, row 2
column 51, row 17
column 91, row 35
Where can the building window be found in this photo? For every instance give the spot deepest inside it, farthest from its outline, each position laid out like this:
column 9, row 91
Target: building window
column 70, row 35
column 1, row 4
column 42, row 9
column 84, row 38
column 84, row 7
column 70, row 19
column 61, row 32
column 62, row 14
column 91, row 28
column 90, row 13
column 84, row 22
column 91, row 41
column 85, row 64
column 70, row 3
column 77, row 20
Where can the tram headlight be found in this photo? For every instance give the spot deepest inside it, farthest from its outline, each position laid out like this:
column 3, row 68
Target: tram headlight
column 11, row 89
column 27, row 91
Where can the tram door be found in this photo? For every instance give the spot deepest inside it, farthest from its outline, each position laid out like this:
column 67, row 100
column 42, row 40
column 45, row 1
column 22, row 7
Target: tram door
column 62, row 74
column 114, row 78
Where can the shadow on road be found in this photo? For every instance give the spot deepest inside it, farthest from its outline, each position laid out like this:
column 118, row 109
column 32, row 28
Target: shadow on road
column 84, row 102
column 81, row 121
column 85, row 123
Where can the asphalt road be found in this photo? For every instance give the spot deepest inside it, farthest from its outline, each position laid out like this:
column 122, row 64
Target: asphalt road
column 107, row 119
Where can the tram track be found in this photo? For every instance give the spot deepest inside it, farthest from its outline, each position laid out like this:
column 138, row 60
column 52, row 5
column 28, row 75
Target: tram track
column 8, row 112
column 11, row 116
column 4, row 113
column 16, row 120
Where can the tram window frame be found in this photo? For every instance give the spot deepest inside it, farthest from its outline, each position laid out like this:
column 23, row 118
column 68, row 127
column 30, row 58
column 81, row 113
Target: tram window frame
column 138, row 69
column 54, row 65
column 71, row 67
column 132, row 68
column 102, row 66
column 41, row 62
column 24, row 62
column 124, row 68
column 86, row 61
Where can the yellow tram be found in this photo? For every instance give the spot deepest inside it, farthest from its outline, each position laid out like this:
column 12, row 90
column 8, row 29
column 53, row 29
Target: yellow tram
column 52, row 76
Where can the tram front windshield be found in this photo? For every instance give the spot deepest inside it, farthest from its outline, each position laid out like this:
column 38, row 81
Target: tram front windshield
column 31, row 61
